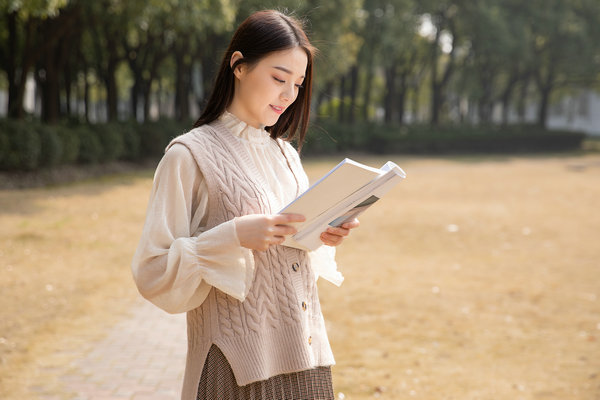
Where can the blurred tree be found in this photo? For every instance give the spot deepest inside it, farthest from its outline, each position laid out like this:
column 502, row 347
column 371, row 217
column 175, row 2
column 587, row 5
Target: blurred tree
column 400, row 54
column 22, row 42
column 564, row 42
column 106, row 22
column 195, row 24
column 372, row 52
column 488, row 45
column 60, row 36
column 445, row 39
column 181, row 29
column 516, row 60
column 147, row 43
column 332, row 30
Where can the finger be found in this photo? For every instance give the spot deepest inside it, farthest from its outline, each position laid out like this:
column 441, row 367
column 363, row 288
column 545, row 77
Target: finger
column 331, row 240
column 283, row 230
column 351, row 224
column 332, row 243
column 338, row 231
column 282, row 219
column 277, row 240
column 269, row 241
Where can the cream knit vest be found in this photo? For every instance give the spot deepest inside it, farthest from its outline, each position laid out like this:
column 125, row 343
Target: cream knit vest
column 279, row 327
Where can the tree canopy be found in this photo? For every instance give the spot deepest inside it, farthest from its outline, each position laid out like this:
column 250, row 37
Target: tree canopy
column 395, row 60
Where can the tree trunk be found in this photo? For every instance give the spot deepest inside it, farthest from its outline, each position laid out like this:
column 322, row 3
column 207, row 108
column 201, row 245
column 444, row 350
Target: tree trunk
column 207, row 56
column 545, row 87
column 341, row 106
column 67, row 56
column 68, row 82
column 111, row 91
column 159, row 99
column 401, row 97
column 353, row 92
column 51, row 93
column 438, row 95
column 485, row 112
column 86, row 96
column 435, row 89
column 134, row 93
column 436, row 103
column 207, row 75
column 52, row 66
column 156, row 60
column 15, row 90
column 507, row 95
column 390, row 93
column 110, row 79
column 50, row 86
column 414, row 108
column 438, row 85
column 522, row 100
column 61, row 32
column 183, row 79
column 106, row 57
column 368, row 90
column 543, row 108
column 324, row 93
column 146, row 86
column 17, row 76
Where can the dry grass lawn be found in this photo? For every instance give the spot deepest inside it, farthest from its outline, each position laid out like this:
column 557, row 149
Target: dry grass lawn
column 476, row 278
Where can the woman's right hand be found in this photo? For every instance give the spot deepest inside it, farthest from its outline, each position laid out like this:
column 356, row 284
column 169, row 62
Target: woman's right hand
column 259, row 231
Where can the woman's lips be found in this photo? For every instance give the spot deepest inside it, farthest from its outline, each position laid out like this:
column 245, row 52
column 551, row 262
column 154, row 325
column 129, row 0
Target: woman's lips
column 277, row 109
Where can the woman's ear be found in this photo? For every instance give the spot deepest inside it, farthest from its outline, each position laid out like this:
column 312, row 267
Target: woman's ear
column 235, row 57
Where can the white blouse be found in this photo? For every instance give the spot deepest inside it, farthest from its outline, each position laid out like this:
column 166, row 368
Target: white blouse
column 178, row 259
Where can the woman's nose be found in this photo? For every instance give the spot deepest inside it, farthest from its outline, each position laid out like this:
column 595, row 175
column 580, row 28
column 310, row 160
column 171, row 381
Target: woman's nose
column 288, row 93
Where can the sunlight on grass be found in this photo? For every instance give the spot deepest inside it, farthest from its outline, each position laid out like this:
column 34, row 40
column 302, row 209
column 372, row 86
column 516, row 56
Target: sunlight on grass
column 473, row 279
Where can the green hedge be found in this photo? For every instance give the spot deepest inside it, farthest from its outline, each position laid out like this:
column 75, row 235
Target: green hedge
column 329, row 137
column 30, row 145
column 156, row 135
column 20, row 148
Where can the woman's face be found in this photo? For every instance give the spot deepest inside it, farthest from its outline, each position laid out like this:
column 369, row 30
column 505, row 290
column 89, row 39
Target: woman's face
column 264, row 90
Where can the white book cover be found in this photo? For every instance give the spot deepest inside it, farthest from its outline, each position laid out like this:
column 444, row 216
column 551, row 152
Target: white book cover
column 339, row 196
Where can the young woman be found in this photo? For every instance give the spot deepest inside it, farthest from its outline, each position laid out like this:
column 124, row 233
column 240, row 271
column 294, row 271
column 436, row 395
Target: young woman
column 211, row 244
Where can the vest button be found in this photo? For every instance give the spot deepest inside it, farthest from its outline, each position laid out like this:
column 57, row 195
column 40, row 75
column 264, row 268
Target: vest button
column 309, row 340
column 304, row 306
column 295, row 266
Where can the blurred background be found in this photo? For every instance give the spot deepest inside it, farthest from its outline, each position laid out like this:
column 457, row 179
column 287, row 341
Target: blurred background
column 474, row 279
column 392, row 75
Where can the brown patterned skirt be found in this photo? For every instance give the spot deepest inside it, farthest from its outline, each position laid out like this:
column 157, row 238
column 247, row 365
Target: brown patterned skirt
column 218, row 383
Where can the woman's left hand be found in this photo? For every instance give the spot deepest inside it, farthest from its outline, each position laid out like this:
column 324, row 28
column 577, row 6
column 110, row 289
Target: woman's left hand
column 334, row 236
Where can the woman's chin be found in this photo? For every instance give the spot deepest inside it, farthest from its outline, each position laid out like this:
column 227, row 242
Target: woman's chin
column 271, row 121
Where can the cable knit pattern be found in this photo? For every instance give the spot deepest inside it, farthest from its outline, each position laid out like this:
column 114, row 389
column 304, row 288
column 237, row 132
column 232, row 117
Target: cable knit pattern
column 283, row 282
column 278, row 328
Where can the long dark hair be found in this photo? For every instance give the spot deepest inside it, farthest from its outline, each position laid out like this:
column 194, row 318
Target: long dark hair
column 260, row 34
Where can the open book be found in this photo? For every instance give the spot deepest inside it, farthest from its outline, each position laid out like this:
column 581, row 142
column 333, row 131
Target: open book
column 338, row 197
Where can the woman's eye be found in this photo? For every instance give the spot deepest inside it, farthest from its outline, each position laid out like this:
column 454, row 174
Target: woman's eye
column 299, row 86
column 279, row 80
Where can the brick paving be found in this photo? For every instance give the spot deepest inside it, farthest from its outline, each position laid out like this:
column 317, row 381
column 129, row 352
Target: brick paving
column 141, row 358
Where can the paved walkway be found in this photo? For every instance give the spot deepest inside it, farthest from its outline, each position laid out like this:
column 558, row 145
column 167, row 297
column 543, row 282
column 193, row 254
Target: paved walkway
column 141, row 358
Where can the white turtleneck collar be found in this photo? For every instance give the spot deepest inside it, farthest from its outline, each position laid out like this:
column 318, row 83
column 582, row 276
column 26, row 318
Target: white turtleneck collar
column 244, row 131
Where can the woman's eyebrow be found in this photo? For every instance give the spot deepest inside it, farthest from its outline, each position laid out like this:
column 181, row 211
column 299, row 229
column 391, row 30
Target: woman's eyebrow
column 286, row 70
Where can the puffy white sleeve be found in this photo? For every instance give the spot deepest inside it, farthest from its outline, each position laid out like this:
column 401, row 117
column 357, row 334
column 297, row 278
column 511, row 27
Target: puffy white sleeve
column 324, row 265
column 177, row 260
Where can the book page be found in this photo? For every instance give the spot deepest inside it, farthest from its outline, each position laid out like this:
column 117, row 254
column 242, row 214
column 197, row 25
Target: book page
column 345, row 179
column 340, row 196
